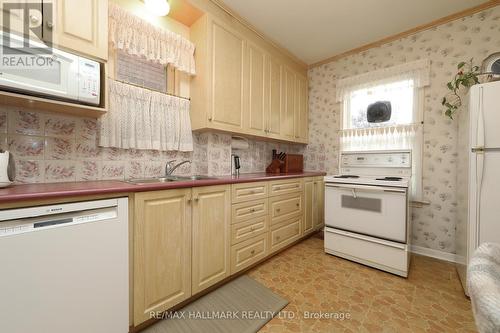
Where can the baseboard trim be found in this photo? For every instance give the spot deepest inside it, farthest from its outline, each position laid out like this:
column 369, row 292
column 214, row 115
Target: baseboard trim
column 446, row 256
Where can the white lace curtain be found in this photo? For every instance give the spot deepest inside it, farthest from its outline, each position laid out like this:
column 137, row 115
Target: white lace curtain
column 417, row 71
column 390, row 138
column 143, row 119
column 135, row 36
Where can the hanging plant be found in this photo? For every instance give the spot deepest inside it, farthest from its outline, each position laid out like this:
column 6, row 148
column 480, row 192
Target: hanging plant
column 466, row 77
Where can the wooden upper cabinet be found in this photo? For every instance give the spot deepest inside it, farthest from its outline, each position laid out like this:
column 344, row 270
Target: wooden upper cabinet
column 301, row 109
column 242, row 85
column 211, row 235
column 273, row 98
column 162, row 251
column 288, row 96
column 80, row 25
column 256, row 98
column 227, row 78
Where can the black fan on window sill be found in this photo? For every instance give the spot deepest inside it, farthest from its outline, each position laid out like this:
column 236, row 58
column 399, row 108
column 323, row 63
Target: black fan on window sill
column 379, row 112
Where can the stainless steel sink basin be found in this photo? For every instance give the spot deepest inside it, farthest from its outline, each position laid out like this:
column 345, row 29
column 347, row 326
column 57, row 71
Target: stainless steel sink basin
column 166, row 179
column 140, row 181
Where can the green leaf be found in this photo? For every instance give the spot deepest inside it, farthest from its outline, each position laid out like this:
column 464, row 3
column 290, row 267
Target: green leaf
column 461, row 64
column 450, row 86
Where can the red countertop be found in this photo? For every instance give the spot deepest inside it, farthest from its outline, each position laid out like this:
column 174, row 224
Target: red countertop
column 24, row 192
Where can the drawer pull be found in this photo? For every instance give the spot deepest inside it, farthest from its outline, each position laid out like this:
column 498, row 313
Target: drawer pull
column 278, row 237
column 278, row 210
column 297, row 204
column 252, row 252
column 188, row 201
column 252, row 210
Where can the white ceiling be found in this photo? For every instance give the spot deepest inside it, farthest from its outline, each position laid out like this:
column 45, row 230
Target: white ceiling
column 314, row 30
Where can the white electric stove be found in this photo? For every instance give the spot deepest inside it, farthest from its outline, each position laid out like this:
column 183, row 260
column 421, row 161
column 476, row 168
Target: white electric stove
column 367, row 212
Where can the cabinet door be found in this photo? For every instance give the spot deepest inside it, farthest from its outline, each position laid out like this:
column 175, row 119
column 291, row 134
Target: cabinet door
column 256, row 117
column 319, row 203
column 227, row 78
column 14, row 13
column 274, row 102
column 308, row 220
column 80, row 25
column 301, row 109
column 288, row 131
column 162, row 251
column 211, row 239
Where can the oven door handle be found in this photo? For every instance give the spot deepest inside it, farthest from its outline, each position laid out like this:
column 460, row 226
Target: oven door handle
column 367, row 188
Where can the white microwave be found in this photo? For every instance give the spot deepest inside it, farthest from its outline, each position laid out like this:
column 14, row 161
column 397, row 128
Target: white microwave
column 57, row 74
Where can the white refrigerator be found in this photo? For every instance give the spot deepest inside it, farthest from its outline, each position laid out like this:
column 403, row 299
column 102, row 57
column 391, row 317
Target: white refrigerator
column 478, row 173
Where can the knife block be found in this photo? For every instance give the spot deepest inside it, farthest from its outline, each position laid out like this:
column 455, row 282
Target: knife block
column 274, row 167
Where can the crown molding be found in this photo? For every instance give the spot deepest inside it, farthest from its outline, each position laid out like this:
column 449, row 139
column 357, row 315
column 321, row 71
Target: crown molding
column 423, row 27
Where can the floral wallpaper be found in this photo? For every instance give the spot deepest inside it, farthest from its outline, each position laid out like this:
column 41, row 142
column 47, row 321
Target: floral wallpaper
column 476, row 37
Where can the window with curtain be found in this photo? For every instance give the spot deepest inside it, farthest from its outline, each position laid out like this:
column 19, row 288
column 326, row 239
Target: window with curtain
column 403, row 87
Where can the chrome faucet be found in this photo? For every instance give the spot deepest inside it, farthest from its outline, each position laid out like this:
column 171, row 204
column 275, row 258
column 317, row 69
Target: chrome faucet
column 169, row 169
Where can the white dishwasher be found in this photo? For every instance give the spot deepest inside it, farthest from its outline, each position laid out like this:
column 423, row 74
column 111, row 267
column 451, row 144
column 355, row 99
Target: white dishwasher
column 64, row 268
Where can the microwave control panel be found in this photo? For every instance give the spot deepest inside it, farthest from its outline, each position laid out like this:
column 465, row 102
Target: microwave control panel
column 89, row 85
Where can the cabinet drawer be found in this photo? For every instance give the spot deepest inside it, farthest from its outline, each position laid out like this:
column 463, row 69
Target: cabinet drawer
column 280, row 187
column 248, row 252
column 284, row 233
column 249, row 191
column 286, row 186
column 285, row 207
column 248, row 229
column 248, row 210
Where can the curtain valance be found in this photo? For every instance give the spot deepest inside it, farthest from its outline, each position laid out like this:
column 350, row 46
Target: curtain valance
column 135, row 36
column 418, row 71
column 143, row 119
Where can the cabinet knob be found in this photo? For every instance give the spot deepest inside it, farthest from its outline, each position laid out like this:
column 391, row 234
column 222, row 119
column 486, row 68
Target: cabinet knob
column 209, row 118
column 278, row 237
column 278, row 210
column 252, row 252
column 50, row 25
column 189, row 201
column 252, row 210
column 297, row 204
column 196, row 199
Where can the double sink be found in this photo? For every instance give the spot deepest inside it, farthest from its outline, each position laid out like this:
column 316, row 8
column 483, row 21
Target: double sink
column 166, row 179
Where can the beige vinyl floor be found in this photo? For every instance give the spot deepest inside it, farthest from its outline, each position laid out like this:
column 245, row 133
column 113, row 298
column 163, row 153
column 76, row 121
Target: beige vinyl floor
column 362, row 299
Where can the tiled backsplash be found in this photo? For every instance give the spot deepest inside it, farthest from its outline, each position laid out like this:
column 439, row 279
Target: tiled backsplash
column 50, row 147
column 55, row 148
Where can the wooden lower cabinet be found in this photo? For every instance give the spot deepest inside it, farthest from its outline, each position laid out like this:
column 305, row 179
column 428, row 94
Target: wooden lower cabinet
column 319, row 203
column 211, row 236
column 285, row 233
column 187, row 240
column 310, row 206
column 162, row 251
column 248, row 252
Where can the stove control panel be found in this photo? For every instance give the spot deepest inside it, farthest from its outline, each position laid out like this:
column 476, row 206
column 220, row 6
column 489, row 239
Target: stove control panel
column 376, row 159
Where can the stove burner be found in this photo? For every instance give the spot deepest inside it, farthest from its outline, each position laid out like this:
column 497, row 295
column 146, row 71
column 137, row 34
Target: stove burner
column 392, row 179
column 346, row 176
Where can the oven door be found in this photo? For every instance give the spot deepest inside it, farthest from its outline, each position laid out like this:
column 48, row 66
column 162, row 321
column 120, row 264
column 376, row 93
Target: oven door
column 370, row 210
column 28, row 71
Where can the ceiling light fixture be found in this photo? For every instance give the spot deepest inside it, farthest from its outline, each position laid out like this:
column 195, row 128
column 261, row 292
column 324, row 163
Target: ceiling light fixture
column 157, row 7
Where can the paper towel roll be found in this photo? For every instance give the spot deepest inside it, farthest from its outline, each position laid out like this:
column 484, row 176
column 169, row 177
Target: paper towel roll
column 239, row 143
